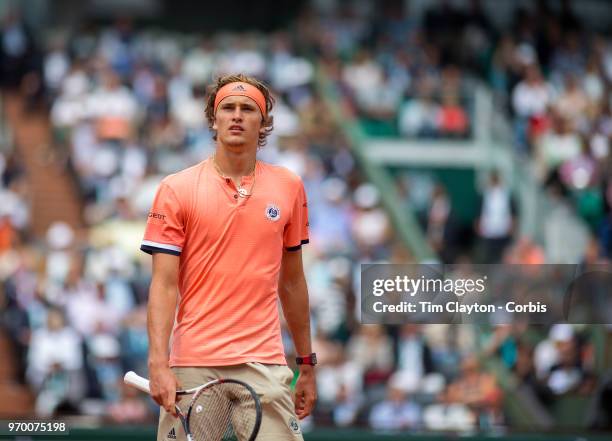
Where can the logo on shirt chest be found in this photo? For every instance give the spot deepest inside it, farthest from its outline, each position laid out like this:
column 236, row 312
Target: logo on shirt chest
column 273, row 212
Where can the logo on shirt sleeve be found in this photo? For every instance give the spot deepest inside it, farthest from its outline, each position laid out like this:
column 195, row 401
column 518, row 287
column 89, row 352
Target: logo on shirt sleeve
column 156, row 218
column 273, row 212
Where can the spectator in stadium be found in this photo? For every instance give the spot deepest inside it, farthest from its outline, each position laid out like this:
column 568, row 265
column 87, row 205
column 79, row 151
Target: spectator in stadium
column 503, row 342
column 15, row 321
column 17, row 50
column 14, row 201
column 438, row 219
column 530, row 99
column 477, row 391
column 331, row 220
column 573, row 103
column 55, row 360
column 340, row 386
column 497, row 220
column 113, row 108
column 418, row 117
column 70, row 105
column 414, row 356
column 371, row 349
column 396, row 412
column 449, row 344
column 103, row 357
column 580, row 172
column 453, row 119
column 371, row 226
column 88, row 310
column 570, row 370
column 134, row 341
column 556, row 146
column 505, row 68
column 362, row 75
column 525, row 371
column 55, row 347
column 56, row 64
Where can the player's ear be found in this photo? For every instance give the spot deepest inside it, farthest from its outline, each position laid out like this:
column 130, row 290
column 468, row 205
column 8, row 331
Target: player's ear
column 262, row 127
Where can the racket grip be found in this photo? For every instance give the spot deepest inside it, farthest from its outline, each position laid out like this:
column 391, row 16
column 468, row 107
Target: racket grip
column 133, row 379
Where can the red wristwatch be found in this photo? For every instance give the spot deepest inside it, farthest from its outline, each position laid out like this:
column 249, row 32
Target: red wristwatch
column 309, row 359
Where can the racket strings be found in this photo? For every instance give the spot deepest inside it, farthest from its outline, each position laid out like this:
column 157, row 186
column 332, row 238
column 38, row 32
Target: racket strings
column 223, row 412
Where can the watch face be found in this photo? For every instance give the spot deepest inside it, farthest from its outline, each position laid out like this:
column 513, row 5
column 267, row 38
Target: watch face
column 313, row 358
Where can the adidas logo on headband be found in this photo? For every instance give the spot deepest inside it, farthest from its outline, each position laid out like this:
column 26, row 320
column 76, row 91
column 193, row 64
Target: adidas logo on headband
column 237, row 88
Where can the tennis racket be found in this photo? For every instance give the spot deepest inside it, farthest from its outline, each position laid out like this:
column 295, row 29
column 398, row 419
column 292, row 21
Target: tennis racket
column 220, row 410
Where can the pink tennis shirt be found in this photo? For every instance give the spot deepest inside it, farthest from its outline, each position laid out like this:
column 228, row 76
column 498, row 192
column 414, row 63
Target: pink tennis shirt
column 230, row 251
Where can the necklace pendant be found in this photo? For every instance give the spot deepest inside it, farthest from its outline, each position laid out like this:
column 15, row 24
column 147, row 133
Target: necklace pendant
column 243, row 192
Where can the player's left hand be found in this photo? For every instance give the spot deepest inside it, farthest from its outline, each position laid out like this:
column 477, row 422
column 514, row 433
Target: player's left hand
column 305, row 391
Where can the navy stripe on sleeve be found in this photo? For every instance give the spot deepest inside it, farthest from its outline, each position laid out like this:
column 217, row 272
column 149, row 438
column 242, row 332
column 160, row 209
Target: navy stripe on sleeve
column 151, row 250
column 297, row 247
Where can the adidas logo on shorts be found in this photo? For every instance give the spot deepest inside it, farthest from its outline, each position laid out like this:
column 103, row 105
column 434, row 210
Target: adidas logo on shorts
column 171, row 434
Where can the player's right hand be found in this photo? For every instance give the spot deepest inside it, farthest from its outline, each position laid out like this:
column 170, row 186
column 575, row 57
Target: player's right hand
column 164, row 384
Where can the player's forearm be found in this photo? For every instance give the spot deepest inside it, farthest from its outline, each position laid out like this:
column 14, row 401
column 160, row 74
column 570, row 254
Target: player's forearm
column 294, row 300
column 160, row 319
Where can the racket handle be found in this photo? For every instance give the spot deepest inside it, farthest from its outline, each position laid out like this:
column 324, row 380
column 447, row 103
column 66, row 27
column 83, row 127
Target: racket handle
column 133, row 379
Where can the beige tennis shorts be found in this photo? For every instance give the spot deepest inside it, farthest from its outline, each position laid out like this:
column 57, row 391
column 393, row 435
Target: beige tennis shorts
column 272, row 384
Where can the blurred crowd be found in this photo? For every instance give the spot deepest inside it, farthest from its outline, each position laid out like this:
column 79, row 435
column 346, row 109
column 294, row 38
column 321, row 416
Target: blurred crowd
column 126, row 109
column 557, row 76
column 549, row 72
column 398, row 77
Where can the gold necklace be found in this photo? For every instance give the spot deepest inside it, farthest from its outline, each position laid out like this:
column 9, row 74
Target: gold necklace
column 241, row 190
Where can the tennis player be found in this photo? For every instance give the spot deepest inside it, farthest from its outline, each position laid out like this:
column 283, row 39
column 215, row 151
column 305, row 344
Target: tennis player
column 226, row 236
